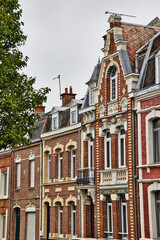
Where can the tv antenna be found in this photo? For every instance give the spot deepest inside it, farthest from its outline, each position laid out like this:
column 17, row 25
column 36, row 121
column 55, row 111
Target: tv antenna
column 120, row 14
column 58, row 77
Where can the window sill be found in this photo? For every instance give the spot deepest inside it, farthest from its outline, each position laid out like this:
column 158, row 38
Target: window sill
column 112, row 101
column 30, row 188
column 153, row 165
column 3, row 198
column 17, row 189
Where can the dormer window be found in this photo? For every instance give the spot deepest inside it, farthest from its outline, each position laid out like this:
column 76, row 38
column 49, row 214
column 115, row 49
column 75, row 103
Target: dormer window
column 73, row 115
column 158, row 67
column 54, row 121
column 113, row 83
column 91, row 94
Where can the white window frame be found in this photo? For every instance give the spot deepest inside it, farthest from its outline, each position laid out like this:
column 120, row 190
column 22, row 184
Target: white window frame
column 107, row 140
column 60, row 161
column 73, row 218
column 157, row 67
column 73, row 163
column 124, row 204
column 18, row 173
column 90, row 159
column 55, row 121
column 109, row 206
column 5, row 186
column 74, row 111
column 60, row 220
column 32, row 173
column 116, row 85
column 48, row 167
column 3, row 225
column 122, row 136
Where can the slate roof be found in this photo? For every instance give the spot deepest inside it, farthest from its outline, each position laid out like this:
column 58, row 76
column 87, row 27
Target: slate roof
column 39, row 126
column 95, row 74
column 136, row 36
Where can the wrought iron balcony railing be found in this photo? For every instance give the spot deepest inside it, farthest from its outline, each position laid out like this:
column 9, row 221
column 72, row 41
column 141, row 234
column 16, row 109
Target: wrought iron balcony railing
column 86, row 176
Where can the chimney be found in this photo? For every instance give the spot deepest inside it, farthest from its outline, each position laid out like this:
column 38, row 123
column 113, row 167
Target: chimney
column 115, row 21
column 67, row 96
column 40, row 109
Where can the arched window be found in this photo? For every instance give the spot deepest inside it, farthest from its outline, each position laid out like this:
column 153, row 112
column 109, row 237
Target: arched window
column 113, row 83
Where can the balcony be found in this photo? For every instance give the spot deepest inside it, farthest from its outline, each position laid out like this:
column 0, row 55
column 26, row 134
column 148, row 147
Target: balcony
column 111, row 177
column 86, row 176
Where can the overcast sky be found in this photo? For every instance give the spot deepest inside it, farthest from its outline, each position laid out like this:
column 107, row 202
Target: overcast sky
column 65, row 37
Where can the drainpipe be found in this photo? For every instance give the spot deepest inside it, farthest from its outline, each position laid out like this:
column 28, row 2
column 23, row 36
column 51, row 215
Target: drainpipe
column 134, row 176
column 95, row 173
column 41, row 154
column 10, row 189
column 79, row 147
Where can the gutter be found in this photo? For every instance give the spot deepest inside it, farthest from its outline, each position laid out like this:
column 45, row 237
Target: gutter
column 10, row 188
column 79, row 146
column 41, row 154
column 134, row 176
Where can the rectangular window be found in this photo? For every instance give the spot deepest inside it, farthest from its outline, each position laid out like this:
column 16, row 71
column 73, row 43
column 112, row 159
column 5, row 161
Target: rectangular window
column 73, row 163
column 109, row 218
column 18, row 174
column 107, row 149
column 157, row 61
column 54, row 123
column 49, row 167
column 73, row 220
column 73, row 117
column 59, row 220
column 90, row 161
column 124, row 224
column 157, row 198
column 3, row 225
column 32, row 173
column 122, row 149
column 60, row 165
column 156, row 140
column 4, row 184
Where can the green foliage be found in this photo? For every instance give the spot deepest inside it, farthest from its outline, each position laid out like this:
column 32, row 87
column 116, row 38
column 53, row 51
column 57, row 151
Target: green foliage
column 18, row 98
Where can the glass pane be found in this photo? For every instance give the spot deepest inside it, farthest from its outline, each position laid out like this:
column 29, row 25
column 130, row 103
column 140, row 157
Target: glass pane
column 3, row 225
column 108, row 154
column 113, row 89
column 113, row 72
column 32, row 173
column 5, row 183
column 124, row 220
column 157, row 123
column 110, row 218
column 156, row 146
column 122, row 151
column 74, row 169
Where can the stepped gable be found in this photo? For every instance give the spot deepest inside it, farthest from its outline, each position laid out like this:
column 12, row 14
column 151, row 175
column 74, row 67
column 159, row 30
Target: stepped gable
column 136, row 36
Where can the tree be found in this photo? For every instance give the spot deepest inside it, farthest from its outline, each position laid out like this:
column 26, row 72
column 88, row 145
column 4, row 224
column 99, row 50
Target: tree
column 18, row 98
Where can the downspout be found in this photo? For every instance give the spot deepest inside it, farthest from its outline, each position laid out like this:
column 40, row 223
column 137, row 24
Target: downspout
column 79, row 147
column 40, row 209
column 134, row 176
column 95, row 172
column 10, row 189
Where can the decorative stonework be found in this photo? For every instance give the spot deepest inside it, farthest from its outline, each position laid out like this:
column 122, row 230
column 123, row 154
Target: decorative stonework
column 58, row 199
column 71, row 199
column 112, row 108
column 16, row 205
column 89, row 132
column 47, row 149
column 58, row 147
column 48, row 200
column 71, row 144
column 101, row 110
column 31, row 156
column 105, row 127
column 124, row 103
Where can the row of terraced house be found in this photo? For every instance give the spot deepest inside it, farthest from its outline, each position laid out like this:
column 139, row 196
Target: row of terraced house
column 92, row 169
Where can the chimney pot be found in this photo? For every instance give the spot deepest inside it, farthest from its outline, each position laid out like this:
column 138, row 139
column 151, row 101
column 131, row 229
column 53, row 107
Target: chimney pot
column 70, row 89
column 66, row 90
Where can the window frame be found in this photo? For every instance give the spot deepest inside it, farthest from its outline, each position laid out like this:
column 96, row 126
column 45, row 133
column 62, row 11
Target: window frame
column 60, row 161
column 18, row 175
column 109, row 217
column 124, row 204
column 73, row 217
column 112, row 78
column 5, row 183
column 155, row 130
column 32, row 173
column 157, row 207
column 55, row 121
column 48, row 167
column 122, row 137
column 107, row 140
column 60, row 212
column 73, row 163
column 3, row 225
column 73, row 110
column 157, row 67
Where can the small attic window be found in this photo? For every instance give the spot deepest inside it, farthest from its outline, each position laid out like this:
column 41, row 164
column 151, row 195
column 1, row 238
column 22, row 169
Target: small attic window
column 113, row 83
column 55, row 121
column 73, row 115
column 158, row 67
column 91, row 94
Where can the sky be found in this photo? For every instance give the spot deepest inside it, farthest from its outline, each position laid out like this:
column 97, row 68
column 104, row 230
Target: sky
column 64, row 37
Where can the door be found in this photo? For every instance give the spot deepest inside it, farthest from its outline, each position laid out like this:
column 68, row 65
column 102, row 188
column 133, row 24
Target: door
column 31, row 219
column 17, row 224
